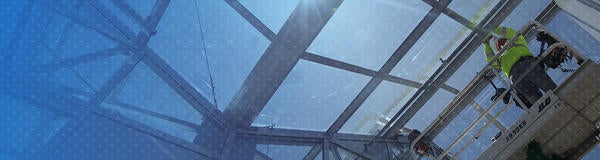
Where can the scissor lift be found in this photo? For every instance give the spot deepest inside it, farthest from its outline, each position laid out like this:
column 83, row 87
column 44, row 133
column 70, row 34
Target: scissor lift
column 565, row 121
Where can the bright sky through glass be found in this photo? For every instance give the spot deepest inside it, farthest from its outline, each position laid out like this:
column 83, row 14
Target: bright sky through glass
column 366, row 33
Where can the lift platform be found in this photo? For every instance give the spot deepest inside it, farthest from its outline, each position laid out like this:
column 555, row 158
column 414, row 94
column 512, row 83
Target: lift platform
column 564, row 122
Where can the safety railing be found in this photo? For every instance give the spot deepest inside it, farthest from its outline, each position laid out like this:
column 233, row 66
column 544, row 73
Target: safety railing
column 532, row 26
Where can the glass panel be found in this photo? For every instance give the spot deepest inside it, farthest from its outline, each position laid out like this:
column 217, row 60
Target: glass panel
column 459, row 125
column 88, row 77
column 309, row 100
column 463, row 76
column 320, row 156
column 437, row 43
column 366, row 33
column 474, row 11
column 180, row 42
column 430, row 111
column 23, row 125
column 570, row 30
column 231, row 45
column 272, row 13
column 345, row 154
column 377, row 110
column 283, row 151
column 126, row 20
column 80, row 40
column 114, row 141
column 177, row 130
column 479, row 145
column 468, row 116
column 144, row 89
column 456, row 127
column 64, row 39
column 96, row 73
column 143, row 8
column 525, row 12
column 70, row 78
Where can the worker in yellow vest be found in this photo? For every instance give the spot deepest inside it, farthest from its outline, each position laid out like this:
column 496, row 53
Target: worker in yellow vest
column 515, row 61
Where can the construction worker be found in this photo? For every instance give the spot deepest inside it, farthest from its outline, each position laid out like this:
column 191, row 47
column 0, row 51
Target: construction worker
column 515, row 61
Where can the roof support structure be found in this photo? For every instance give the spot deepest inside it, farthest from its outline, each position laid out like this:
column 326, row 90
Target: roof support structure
column 251, row 18
column 306, row 21
column 74, row 61
column 183, row 87
column 286, row 49
column 131, row 13
column 387, row 68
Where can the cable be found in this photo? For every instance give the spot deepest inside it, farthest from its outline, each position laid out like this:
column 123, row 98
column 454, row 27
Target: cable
column 212, row 85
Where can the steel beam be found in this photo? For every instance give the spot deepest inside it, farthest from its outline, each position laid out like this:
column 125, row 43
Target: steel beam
column 113, row 116
column 153, row 114
column 90, row 21
column 335, row 152
column 229, row 145
column 258, row 155
column 457, row 17
column 375, row 151
column 354, row 151
column 400, row 52
column 160, row 6
column 291, row 134
column 116, row 78
column 112, row 18
column 326, row 151
column 357, row 69
column 367, row 72
column 314, row 152
column 458, row 57
column 251, row 18
column 544, row 18
column 56, row 64
column 306, row 21
column 164, row 71
column 182, row 87
column 131, row 13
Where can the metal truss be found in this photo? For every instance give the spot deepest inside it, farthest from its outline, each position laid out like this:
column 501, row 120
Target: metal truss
column 287, row 47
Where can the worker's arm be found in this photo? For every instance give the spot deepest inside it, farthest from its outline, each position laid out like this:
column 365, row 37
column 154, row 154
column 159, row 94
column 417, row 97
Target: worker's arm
column 489, row 53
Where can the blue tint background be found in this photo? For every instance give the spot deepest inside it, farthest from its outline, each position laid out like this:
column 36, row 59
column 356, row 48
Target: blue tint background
column 229, row 47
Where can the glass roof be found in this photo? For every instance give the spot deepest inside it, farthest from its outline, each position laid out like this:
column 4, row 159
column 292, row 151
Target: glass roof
column 192, row 74
column 311, row 103
column 349, row 35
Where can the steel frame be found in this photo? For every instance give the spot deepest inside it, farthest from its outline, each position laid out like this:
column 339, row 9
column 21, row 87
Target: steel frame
column 287, row 47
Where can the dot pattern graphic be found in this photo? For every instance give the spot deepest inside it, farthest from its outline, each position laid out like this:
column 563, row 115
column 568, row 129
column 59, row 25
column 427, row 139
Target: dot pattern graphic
column 293, row 79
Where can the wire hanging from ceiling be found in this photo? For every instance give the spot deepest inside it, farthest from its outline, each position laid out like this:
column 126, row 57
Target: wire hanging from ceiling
column 212, row 84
